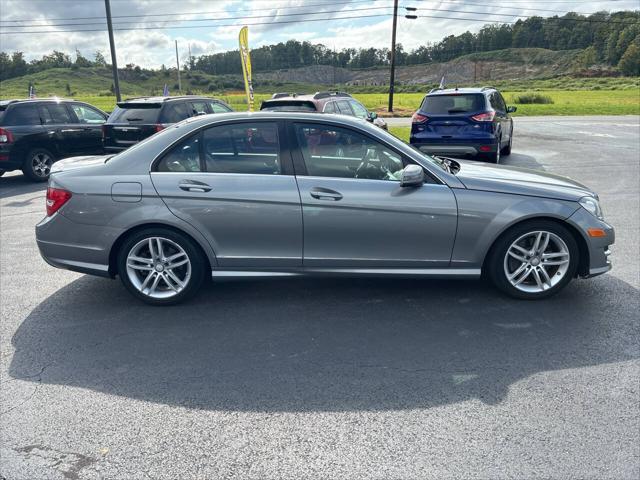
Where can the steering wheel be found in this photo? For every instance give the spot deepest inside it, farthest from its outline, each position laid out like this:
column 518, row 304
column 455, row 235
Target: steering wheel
column 367, row 169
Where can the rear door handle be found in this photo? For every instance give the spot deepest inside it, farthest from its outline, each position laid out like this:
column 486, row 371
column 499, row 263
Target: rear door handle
column 325, row 194
column 194, row 186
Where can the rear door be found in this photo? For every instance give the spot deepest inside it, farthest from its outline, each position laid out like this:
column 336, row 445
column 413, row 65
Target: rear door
column 450, row 115
column 499, row 105
column 131, row 122
column 88, row 122
column 61, row 127
column 356, row 214
column 235, row 183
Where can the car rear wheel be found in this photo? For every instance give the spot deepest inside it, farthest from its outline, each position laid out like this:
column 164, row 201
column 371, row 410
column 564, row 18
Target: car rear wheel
column 534, row 260
column 160, row 266
column 494, row 157
column 37, row 164
column 507, row 150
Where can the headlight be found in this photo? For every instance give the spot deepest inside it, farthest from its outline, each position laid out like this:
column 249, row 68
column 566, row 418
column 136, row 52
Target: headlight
column 592, row 206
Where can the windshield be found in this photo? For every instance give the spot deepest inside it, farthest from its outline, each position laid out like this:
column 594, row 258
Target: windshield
column 454, row 103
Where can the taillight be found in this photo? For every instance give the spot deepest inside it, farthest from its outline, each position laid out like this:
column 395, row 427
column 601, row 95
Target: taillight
column 56, row 198
column 418, row 118
column 6, row 136
column 484, row 117
column 159, row 127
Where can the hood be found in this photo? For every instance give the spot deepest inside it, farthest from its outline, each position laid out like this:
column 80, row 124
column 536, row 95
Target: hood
column 79, row 162
column 519, row 181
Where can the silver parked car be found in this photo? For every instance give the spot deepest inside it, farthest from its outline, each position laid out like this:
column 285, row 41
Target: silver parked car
column 282, row 194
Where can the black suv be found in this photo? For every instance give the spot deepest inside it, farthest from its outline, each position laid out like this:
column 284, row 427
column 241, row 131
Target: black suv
column 340, row 103
column 35, row 133
column 138, row 118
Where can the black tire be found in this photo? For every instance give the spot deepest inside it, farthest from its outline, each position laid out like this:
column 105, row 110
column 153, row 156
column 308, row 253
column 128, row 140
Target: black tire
column 495, row 262
column 507, row 150
column 195, row 256
column 32, row 166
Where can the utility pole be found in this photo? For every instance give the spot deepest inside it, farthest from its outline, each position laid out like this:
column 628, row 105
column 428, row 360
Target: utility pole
column 114, row 62
column 178, row 65
column 393, row 54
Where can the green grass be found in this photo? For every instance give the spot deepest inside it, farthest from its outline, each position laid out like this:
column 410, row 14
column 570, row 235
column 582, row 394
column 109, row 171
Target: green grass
column 401, row 132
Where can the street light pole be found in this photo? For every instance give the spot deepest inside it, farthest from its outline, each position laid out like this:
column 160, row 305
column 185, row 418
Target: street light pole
column 114, row 62
column 178, row 65
column 393, row 55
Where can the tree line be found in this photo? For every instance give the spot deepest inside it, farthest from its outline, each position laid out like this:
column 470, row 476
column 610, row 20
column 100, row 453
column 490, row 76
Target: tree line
column 606, row 38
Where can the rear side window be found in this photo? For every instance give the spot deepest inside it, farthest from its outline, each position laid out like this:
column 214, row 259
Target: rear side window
column 250, row 148
column 330, row 108
column 451, row 104
column 26, row 114
column 175, row 112
column 184, row 157
column 55, row 114
column 133, row 114
column 199, row 107
column 289, row 106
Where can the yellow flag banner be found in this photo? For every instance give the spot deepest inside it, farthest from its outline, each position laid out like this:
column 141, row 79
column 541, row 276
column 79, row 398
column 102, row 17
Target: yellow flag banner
column 245, row 58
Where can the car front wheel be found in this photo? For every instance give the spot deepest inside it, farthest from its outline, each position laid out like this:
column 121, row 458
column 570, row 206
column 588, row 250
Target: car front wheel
column 160, row 266
column 534, row 260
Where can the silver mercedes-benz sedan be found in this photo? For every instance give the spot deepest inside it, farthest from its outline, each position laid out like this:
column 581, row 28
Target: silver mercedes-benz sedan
column 283, row 194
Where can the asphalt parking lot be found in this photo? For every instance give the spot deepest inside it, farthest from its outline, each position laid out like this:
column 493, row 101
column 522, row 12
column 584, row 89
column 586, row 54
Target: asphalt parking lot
column 331, row 378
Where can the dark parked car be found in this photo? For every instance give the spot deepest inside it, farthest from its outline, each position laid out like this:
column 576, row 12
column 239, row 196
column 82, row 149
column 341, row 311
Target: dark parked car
column 326, row 102
column 35, row 133
column 138, row 118
column 469, row 122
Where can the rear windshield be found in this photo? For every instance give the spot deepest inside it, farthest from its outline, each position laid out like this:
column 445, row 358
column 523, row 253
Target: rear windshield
column 454, row 103
column 288, row 106
column 135, row 114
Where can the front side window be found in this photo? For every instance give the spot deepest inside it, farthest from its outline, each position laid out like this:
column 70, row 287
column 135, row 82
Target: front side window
column 218, row 108
column 86, row 114
column 337, row 152
column 184, row 157
column 359, row 110
column 344, row 108
column 250, row 148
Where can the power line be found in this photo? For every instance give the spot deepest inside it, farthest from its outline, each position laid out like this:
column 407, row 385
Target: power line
column 173, row 14
column 200, row 26
column 457, row 2
column 164, row 22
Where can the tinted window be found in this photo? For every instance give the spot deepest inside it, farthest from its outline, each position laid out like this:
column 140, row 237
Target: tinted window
column 219, row 108
column 133, row 114
column 344, row 108
column 87, row 114
column 185, row 157
column 457, row 103
column 175, row 112
column 288, row 106
column 199, row 107
column 55, row 113
column 499, row 101
column 330, row 108
column 336, row 152
column 359, row 110
column 242, row 148
column 26, row 114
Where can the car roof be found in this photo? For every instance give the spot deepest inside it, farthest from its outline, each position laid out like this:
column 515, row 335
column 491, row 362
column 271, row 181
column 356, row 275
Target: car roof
column 453, row 91
column 318, row 97
column 36, row 100
column 164, row 99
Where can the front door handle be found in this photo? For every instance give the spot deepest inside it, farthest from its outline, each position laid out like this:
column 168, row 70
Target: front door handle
column 325, row 194
column 194, row 186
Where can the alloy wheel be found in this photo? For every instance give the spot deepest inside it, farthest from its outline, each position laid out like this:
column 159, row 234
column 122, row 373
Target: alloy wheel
column 158, row 267
column 536, row 261
column 41, row 164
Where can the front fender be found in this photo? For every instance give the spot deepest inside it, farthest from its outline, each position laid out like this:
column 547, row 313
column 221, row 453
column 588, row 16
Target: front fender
column 484, row 216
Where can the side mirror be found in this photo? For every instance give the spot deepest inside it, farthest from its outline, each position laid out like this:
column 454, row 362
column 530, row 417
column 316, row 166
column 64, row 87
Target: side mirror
column 511, row 109
column 412, row 176
column 372, row 116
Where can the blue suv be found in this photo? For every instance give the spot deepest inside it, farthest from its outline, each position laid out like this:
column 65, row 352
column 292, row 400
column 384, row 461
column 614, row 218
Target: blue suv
column 469, row 122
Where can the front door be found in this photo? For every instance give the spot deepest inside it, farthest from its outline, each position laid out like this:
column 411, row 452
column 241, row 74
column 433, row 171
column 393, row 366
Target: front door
column 235, row 184
column 355, row 212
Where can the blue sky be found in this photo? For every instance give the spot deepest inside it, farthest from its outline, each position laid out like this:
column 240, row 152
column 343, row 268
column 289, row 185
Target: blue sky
column 213, row 25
